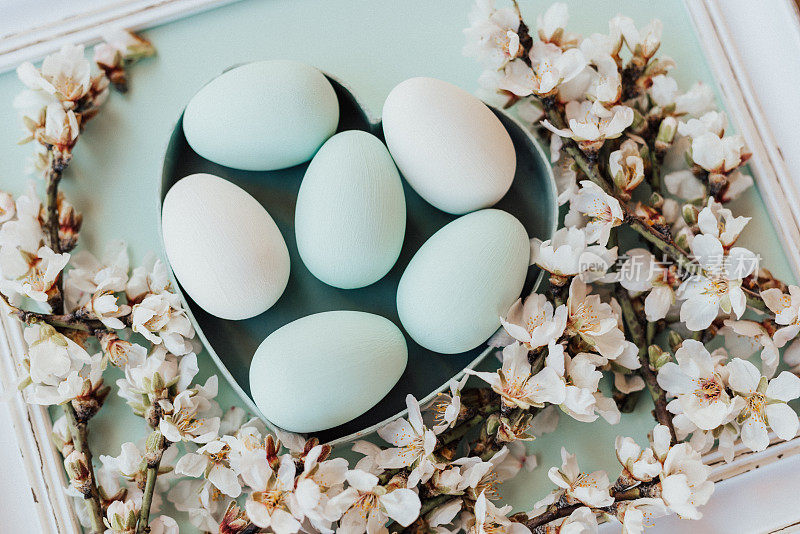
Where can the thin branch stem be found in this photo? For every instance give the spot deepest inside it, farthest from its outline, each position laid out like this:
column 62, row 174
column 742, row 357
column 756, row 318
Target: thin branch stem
column 660, row 412
column 150, row 486
column 563, row 509
column 78, row 429
column 80, row 439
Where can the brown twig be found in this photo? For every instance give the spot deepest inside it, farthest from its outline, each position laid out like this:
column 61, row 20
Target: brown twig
column 650, row 376
column 564, row 508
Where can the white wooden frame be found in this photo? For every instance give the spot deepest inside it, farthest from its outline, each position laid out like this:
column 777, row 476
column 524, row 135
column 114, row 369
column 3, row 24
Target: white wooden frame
column 32, row 425
column 30, row 44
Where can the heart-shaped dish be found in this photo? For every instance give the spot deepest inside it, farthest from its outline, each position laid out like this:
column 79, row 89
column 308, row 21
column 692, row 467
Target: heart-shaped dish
column 231, row 344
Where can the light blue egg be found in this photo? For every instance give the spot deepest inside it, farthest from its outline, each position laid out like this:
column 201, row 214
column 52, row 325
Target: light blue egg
column 262, row 116
column 350, row 218
column 325, row 369
column 462, row 280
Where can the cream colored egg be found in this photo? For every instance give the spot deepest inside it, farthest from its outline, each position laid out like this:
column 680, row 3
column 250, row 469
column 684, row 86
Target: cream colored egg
column 224, row 248
column 448, row 145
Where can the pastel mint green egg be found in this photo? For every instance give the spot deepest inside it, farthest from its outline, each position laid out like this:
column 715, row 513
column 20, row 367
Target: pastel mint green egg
column 462, row 280
column 262, row 116
column 350, row 218
column 325, row 369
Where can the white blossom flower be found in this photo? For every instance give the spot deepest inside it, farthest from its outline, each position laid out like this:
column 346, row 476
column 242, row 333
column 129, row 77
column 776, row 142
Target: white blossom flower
column 365, row 506
column 697, row 383
column 737, row 183
column 718, row 286
column 594, row 321
column 160, row 318
column 642, row 273
column 785, row 306
column 551, row 24
column 271, row 505
column 684, row 184
column 448, row 406
column 566, row 177
column 642, row 42
column 593, row 489
column 581, row 377
column 710, row 122
column 201, row 502
column 744, row 338
column 88, row 274
column 765, row 403
column 568, row 253
column 699, row 99
column 61, row 127
column 664, row 90
column 59, row 368
column 534, row 323
column 515, row 385
column 589, row 129
column 718, row 154
column 65, row 74
column 140, row 375
column 717, row 221
column 414, row 444
column 601, row 211
column 212, row 461
column 637, row 514
column 104, row 306
column 549, row 67
column 684, row 479
column 8, row 208
column 183, row 418
column 490, row 519
column 581, row 521
column 121, row 517
column 32, row 274
column 492, row 34
column 164, row 524
column 626, row 166
column 121, row 45
column 150, row 277
column 640, row 464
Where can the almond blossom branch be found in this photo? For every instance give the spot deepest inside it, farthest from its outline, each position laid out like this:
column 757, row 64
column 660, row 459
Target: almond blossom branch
column 660, row 412
column 80, row 438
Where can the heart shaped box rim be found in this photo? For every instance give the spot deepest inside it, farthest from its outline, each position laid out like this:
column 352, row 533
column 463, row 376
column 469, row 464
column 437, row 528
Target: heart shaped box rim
column 375, row 125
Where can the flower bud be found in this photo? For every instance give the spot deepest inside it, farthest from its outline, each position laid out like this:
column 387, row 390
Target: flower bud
column 674, row 339
column 78, row 471
column 121, row 516
column 666, row 133
column 656, row 200
column 657, row 357
column 690, row 214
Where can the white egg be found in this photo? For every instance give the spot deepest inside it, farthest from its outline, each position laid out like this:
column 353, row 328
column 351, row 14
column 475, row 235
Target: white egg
column 325, row 369
column 448, row 145
column 350, row 218
column 262, row 116
column 462, row 280
column 223, row 246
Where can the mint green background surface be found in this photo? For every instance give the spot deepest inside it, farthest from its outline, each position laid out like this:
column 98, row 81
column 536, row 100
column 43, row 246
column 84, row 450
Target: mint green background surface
column 115, row 176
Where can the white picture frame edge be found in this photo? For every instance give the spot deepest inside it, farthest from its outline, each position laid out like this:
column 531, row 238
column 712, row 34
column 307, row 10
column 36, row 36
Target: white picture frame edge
column 32, row 426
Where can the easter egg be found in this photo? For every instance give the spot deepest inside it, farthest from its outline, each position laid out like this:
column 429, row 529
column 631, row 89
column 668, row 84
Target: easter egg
column 325, row 369
column 262, row 116
column 223, row 246
column 462, row 280
column 448, row 145
column 350, row 217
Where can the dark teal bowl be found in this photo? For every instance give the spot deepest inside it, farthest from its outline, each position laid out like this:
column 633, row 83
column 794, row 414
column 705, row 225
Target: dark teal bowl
column 231, row 344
